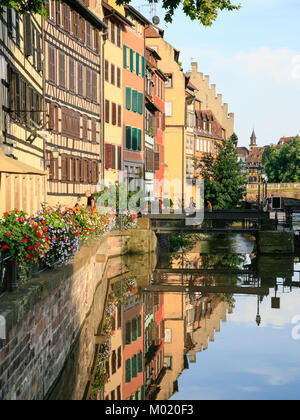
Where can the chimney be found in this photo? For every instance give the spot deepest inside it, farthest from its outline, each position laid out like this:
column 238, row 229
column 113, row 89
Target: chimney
column 194, row 67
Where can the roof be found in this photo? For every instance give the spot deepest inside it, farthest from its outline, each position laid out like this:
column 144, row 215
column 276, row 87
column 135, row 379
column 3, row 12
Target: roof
column 154, row 32
column 242, row 151
column 153, row 52
column 116, row 14
column 256, row 155
column 84, row 11
column 191, row 86
column 284, row 140
column 137, row 14
column 9, row 165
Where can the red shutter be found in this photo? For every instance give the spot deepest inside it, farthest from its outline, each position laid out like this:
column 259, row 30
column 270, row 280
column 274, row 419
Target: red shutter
column 113, row 157
column 84, row 127
column 51, row 116
column 94, row 131
column 157, row 161
column 64, row 168
column 108, row 156
column 114, row 113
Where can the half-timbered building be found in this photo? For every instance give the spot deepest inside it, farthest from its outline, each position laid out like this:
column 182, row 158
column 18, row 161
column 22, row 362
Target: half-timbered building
column 72, row 99
column 22, row 175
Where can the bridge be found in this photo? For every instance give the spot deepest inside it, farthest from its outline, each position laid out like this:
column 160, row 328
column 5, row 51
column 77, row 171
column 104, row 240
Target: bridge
column 248, row 221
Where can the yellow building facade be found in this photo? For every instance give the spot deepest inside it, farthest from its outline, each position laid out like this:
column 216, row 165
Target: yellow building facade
column 175, row 108
column 23, row 181
column 211, row 101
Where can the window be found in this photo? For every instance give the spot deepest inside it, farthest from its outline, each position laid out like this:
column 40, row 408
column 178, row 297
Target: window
column 134, row 366
column 139, row 321
column 114, row 113
column 128, row 98
column 113, row 33
column 119, row 36
column 134, row 147
column 88, row 84
column 118, row 77
column 140, row 103
column 107, row 111
column 80, row 79
column 134, row 100
column 125, row 57
column 71, row 75
column 119, row 357
column 62, row 70
column 168, row 109
column 119, row 116
column 128, row 137
column 128, row 371
column 140, row 362
column 128, row 333
column 169, row 82
column 113, row 362
column 95, row 86
column 112, row 80
column 168, row 335
column 106, row 66
column 131, row 60
column 51, row 64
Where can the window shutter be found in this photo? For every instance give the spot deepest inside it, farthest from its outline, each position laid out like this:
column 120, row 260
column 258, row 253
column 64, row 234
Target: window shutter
column 119, row 158
column 114, row 113
column 139, row 326
column 119, row 36
column 52, row 10
column 80, row 79
column 157, row 161
column 112, row 79
column 140, row 103
column 118, row 77
column 28, row 41
column 39, row 53
column 84, row 127
column 163, row 124
column 51, row 167
column 134, row 139
column 95, row 90
column 137, row 64
column 134, row 100
column 71, row 75
column 113, row 157
column 107, row 111
column 88, row 84
column 128, row 371
column 82, row 170
column 62, row 72
column 94, row 131
column 94, row 172
column 108, row 156
column 90, row 172
column 139, row 140
column 143, row 66
column 106, row 66
column 51, row 116
column 140, row 362
column 96, row 41
column 119, row 116
column 134, row 366
column 82, row 30
column 113, row 33
column 131, row 59
column 125, row 56
column 64, row 168
column 128, row 137
column 128, row 98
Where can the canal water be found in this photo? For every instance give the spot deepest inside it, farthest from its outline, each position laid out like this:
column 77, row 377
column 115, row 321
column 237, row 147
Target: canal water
column 216, row 322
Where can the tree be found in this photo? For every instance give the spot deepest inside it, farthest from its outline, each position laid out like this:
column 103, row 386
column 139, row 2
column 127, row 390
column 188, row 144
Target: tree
column 205, row 11
column 283, row 164
column 224, row 181
column 24, row 6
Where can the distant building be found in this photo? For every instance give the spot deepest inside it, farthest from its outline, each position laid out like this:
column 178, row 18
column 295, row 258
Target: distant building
column 284, row 140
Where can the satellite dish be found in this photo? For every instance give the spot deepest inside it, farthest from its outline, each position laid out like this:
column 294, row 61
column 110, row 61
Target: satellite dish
column 155, row 20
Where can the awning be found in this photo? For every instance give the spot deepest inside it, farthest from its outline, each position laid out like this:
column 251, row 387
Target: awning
column 13, row 166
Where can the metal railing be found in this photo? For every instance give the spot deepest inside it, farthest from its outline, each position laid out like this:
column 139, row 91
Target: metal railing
column 8, row 274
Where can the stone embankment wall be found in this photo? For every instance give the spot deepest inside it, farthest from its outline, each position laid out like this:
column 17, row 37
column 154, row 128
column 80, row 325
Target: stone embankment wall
column 276, row 190
column 45, row 318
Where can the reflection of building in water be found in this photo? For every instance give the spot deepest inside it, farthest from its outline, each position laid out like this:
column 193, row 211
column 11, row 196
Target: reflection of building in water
column 153, row 342
column 133, row 349
column 113, row 390
column 190, row 322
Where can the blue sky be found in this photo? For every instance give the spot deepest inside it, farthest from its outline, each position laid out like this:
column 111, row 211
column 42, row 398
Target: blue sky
column 253, row 56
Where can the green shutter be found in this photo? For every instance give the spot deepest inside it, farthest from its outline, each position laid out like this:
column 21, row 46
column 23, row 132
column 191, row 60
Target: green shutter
column 128, row 98
column 134, row 366
column 125, row 57
column 140, row 362
column 134, row 100
column 128, row 330
column 139, row 140
column 139, row 326
column 134, row 321
column 137, row 64
column 128, row 137
column 142, row 393
column 131, row 60
column 128, row 371
column 140, row 103
column 137, row 395
column 143, row 66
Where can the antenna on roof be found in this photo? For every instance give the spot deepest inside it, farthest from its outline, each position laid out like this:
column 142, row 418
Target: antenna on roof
column 153, row 12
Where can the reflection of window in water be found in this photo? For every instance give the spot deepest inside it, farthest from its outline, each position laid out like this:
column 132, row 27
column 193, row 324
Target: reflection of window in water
column 168, row 335
column 168, row 362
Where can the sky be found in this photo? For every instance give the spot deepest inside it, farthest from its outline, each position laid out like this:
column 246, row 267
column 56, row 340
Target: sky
column 253, row 56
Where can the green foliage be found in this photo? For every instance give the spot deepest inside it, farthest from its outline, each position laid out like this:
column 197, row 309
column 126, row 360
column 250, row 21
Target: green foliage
column 223, row 176
column 25, row 6
column 205, row 11
column 283, row 164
